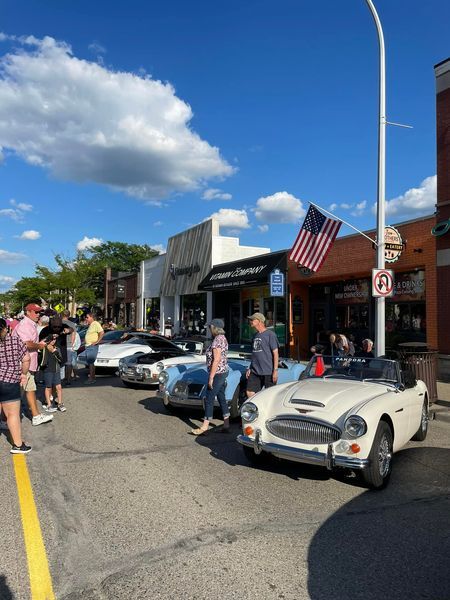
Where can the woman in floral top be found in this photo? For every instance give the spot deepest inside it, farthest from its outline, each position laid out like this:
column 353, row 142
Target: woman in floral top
column 217, row 365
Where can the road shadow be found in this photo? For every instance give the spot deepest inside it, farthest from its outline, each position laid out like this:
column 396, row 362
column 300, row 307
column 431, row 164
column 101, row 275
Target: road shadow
column 155, row 405
column 5, row 590
column 394, row 543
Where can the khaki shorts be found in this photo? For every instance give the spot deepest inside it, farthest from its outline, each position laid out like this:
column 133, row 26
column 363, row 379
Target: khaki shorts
column 30, row 385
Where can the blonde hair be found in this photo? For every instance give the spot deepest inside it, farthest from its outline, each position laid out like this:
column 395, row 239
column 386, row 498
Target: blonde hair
column 217, row 331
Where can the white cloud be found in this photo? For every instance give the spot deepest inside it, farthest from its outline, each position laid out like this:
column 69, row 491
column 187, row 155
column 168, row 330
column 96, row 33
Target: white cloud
column 87, row 243
column 281, row 207
column 6, row 282
column 232, row 218
column 157, row 223
column 84, row 122
column 30, row 234
column 21, row 205
column 97, row 48
column 158, row 247
column 333, row 206
column 215, row 194
column 263, row 228
column 10, row 257
column 17, row 212
column 415, row 201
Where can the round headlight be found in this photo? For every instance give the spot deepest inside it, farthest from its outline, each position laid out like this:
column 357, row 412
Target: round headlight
column 249, row 411
column 139, row 369
column 121, row 362
column 163, row 377
column 355, row 426
column 159, row 367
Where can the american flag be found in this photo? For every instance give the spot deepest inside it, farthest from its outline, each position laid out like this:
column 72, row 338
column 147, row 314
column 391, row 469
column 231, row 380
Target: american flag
column 314, row 239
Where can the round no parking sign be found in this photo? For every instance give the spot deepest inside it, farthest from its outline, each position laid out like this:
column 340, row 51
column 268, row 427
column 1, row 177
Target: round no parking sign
column 382, row 283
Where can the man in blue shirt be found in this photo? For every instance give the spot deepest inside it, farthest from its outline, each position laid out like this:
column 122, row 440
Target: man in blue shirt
column 263, row 370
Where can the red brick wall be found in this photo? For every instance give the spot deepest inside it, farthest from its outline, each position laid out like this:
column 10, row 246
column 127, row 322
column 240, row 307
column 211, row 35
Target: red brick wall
column 353, row 257
column 442, row 214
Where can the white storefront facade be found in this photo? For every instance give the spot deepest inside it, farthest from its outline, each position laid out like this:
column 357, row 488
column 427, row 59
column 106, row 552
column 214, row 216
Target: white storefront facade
column 173, row 278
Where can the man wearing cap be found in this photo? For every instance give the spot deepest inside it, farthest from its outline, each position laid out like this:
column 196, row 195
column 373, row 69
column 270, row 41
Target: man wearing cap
column 26, row 330
column 263, row 370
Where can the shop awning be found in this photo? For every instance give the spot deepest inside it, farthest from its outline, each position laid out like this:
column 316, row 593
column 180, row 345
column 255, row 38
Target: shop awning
column 241, row 273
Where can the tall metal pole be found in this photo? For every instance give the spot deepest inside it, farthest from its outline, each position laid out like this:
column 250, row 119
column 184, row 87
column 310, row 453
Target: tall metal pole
column 380, row 302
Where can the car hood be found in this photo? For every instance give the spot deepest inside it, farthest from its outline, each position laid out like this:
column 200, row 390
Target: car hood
column 120, row 350
column 153, row 357
column 328, row 399
column 199, row 374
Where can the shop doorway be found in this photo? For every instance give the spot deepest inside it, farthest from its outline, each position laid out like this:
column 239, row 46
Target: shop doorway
column 227, row 307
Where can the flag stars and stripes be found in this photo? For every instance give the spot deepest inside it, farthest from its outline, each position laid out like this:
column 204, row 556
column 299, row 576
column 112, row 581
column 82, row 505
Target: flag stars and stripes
column 314, row 239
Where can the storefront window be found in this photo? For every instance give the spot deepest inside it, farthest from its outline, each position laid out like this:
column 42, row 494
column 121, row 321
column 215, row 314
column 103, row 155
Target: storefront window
column 152, row 312
column 193, row 314
column 406, row 310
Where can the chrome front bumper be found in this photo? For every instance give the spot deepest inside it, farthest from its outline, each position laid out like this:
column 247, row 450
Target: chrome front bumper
column 312, row 457
column 189, row 401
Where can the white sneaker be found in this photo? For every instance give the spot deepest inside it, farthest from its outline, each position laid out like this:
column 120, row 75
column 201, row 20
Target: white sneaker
column 50, row 409
column 39, row 419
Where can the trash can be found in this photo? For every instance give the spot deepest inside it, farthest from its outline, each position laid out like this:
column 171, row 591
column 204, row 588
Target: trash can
column 424, row 366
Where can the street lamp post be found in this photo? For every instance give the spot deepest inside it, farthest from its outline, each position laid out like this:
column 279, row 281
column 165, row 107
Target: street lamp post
column 380, row 302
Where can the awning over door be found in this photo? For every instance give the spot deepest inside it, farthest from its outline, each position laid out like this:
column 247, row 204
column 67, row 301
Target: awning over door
column 241, row 273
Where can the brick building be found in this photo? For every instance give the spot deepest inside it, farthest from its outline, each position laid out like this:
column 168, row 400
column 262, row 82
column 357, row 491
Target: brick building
column 442, row 229
column 339, row 296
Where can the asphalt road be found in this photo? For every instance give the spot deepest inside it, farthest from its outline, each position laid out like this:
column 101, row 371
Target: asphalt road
column 133, row 507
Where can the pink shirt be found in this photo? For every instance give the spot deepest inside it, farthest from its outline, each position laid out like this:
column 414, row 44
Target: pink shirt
column 27, row 331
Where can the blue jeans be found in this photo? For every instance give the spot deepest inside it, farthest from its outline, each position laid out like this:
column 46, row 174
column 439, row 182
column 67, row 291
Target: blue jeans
column 91, row 354
column 218, row 390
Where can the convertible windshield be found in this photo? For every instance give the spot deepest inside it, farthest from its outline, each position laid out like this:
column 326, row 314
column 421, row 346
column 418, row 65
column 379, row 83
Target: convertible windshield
column 352, row 367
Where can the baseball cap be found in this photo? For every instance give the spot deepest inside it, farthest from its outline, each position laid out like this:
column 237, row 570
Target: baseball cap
column 258, row 316
column 219, row 323
column 34, row 307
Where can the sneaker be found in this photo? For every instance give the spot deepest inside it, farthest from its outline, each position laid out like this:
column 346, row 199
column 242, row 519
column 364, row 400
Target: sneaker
column 61, row 407
column 40, row 419
column 4, row 426
column 23, row 449
column 51, row 408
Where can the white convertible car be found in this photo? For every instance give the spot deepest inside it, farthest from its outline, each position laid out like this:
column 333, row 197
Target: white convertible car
column 345, row 412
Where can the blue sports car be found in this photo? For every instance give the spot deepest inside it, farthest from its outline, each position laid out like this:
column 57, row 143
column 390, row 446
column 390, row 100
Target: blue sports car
column 185, row 384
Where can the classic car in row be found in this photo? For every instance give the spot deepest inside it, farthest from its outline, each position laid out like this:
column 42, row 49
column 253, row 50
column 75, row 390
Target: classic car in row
column 345, row 412
column 185, row 385
column 143, row 369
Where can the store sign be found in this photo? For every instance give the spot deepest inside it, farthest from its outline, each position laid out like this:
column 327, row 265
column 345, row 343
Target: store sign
column 441, row 228
column 393, row 244
column 352, row 292
column 189, row 270
column 276, row 281
column 409, row 287
column 304, row 271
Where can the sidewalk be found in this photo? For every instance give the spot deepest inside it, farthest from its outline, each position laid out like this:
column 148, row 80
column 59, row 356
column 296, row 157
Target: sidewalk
column 443, row 392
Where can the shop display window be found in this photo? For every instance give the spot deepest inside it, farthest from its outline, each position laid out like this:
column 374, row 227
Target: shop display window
column 193, row 314
column 405, row 322
column 152, row 312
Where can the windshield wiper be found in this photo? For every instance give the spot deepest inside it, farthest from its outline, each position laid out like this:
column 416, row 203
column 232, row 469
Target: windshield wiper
column 340, row 376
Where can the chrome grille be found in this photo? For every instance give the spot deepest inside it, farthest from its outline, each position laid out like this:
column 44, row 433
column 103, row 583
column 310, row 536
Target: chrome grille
column 303, row 430
column 195, row 389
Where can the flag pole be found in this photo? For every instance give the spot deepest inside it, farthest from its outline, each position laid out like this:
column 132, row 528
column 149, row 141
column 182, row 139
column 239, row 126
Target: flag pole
column 345, row 222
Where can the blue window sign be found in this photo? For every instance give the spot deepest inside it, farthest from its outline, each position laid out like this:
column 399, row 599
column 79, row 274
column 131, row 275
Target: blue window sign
column 276, row 280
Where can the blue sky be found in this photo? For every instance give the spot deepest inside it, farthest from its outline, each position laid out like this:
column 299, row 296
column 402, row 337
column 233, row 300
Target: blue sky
column 133, row 121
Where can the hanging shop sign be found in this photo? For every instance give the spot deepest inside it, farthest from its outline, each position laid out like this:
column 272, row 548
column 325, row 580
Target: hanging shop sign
column 393, row 244
column 276, row 282
column 304, row 271
column 441, row 228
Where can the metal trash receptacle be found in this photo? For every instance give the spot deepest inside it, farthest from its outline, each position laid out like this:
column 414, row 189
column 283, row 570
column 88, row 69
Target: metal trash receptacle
column 424, row 367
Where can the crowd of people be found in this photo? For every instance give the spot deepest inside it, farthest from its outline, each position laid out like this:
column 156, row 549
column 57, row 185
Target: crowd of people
column 40, row 349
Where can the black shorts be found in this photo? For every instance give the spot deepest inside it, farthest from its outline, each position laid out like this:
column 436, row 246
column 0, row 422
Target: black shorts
column 255, row 383
column 9, row 392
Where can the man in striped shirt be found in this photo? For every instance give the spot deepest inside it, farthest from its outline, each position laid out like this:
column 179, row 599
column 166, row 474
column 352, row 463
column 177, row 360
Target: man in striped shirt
column 14, row 365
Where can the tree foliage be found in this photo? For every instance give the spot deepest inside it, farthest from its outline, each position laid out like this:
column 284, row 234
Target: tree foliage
column 80, row 281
